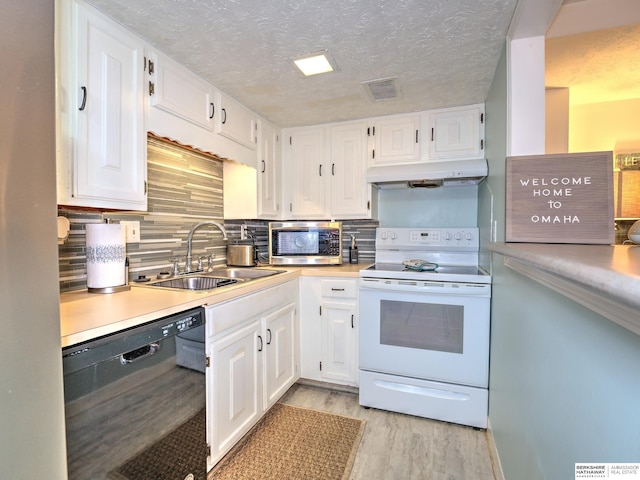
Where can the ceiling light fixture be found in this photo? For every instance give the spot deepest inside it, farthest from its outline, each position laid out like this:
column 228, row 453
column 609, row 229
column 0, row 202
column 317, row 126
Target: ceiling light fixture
column 315, row 63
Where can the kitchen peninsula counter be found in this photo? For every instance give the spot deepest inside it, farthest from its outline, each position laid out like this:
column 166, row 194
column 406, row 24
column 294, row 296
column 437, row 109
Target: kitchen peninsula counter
column 85, row 316
column 604, row 278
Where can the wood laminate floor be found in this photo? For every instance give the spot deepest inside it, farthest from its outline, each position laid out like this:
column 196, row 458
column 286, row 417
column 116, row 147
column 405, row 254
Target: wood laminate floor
column 402, row 447
column 394, row 446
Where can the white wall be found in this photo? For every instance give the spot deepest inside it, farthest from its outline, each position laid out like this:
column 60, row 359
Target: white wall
column 605, row 126
column 557, row 120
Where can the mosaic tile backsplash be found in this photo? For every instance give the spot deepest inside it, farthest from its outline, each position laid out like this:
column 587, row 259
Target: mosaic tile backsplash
column 185, row 187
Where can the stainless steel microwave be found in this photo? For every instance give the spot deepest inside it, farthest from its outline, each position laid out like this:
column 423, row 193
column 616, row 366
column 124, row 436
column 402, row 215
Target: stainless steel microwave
column 305, row 243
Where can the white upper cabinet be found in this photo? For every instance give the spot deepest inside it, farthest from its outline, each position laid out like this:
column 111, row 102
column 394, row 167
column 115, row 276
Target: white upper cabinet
column 186, row 108
column 395, row 140
column 457, row 132
column 269, row 172
column 350, row 194
column 327, row 167
column 175, row 89
column 101, row 136
column 307, row 164
column 236, row 122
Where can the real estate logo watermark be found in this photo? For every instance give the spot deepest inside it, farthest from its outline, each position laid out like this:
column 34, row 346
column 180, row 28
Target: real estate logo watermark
column 607, row 470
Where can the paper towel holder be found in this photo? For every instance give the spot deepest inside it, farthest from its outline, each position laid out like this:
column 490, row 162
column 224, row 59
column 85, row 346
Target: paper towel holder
column 119, row 288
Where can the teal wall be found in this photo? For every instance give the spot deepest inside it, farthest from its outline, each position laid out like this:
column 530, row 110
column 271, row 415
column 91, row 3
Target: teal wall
column 450, row 206
column 564, row 384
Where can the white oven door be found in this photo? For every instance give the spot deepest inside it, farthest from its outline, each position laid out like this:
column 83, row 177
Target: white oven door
column 427, row 330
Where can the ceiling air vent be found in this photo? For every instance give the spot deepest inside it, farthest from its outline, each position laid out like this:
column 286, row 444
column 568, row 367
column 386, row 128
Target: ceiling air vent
column 382, row 89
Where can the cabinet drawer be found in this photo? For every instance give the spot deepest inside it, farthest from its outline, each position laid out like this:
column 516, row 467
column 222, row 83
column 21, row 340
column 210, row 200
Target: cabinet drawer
column 339, row 288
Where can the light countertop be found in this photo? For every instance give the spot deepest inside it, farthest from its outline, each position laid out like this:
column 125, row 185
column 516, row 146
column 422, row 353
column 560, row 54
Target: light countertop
column 609, row 274
column 85, row 316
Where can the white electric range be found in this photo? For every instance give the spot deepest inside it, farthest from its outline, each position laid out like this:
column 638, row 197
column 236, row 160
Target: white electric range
column 424, row 325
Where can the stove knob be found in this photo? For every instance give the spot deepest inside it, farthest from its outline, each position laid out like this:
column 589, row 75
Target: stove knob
column 393, row 235
column 383, row 235
column 447, row 236
column 458, row 236
column 469, row 236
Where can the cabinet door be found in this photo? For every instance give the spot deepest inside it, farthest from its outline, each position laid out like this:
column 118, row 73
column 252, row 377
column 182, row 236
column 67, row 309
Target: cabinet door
column 338, row 342
column 396, row 140
column 176, row 90
column 236, row 122
column 309, row 174
column 109, row 152
column 279, row 338
column 350, row 193
column 310, row 328
column 269, row 172
column 236, row 382
column 457, row 133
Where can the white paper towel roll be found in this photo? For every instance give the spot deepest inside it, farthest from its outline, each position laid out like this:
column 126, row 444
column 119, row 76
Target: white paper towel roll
column 106, row 253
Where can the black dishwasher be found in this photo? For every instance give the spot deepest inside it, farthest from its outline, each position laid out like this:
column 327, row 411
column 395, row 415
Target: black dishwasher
column 134, row 408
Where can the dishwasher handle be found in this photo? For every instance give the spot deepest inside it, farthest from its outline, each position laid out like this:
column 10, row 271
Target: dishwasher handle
column 139, row 353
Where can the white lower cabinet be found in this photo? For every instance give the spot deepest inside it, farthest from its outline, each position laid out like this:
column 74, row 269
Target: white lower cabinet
column 252, row 352
column 329, row 329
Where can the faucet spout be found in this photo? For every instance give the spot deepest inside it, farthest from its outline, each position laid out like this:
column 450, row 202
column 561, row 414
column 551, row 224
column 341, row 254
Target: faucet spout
column 188, row 267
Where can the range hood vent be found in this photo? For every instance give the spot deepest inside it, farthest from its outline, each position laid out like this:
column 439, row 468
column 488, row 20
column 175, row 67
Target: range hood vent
column 428, row 174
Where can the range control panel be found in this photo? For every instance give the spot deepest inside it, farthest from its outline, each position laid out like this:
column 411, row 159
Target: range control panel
column 427, row 238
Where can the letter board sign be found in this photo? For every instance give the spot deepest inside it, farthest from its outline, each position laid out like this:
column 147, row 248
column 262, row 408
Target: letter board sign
column 560, row 198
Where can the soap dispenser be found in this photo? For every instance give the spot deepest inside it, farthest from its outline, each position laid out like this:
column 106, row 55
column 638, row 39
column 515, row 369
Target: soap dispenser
column 353, row 250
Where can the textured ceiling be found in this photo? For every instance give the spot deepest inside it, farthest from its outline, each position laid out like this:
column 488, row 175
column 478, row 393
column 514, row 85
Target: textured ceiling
column 598, row 66
column 443, row 52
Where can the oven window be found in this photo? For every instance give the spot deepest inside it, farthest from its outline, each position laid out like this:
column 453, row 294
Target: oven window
column 427, row 326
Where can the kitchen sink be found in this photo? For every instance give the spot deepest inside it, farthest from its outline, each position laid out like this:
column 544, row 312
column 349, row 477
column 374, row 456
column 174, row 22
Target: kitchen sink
column 244, row 273
column 195, row 282
column 220, row 277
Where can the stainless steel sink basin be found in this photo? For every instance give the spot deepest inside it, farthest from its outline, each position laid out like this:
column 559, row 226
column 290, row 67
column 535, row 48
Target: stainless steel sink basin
column 220, row 277
column 196, row 282
column 244, row 273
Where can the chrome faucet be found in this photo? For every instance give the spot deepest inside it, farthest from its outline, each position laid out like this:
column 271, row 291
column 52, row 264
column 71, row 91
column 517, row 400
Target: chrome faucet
column 187, row 268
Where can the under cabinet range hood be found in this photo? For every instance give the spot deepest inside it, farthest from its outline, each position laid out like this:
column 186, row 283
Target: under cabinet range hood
column 428, row 174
